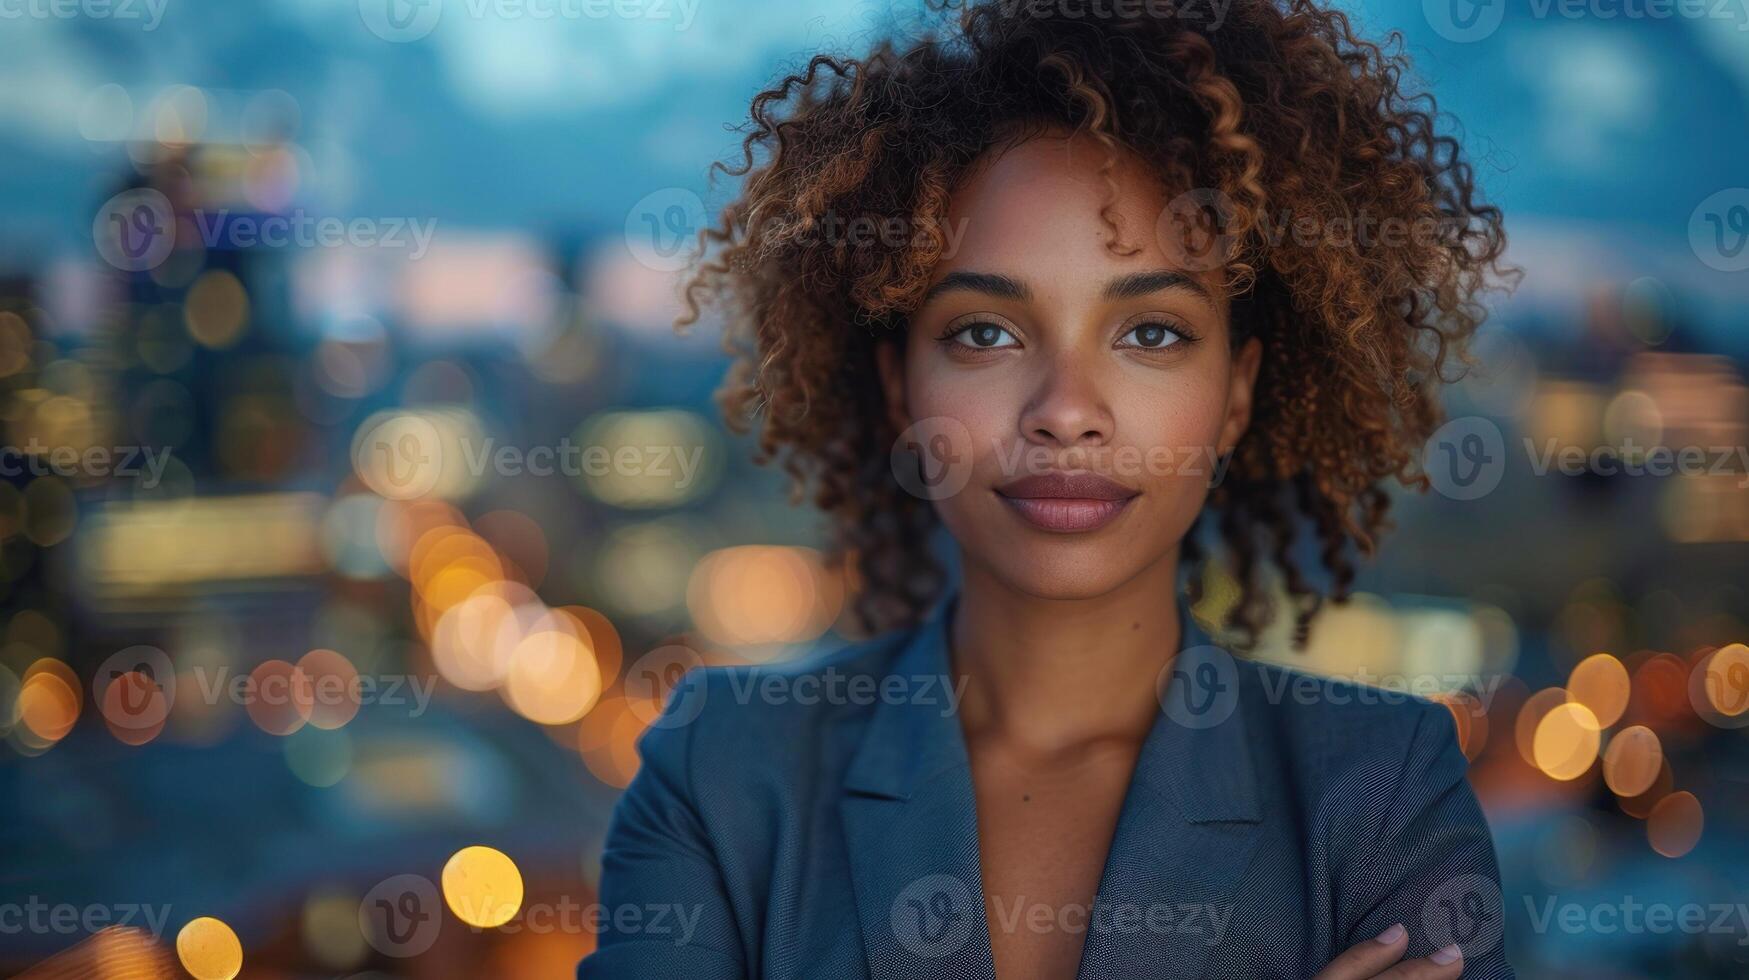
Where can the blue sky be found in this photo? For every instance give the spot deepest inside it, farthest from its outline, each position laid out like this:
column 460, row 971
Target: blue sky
column 1599, row 134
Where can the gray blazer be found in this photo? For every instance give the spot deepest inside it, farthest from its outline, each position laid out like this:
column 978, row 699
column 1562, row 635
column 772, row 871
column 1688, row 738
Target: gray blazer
column 816, row 820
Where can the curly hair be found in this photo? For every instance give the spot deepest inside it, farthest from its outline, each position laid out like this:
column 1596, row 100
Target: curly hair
column 1280, row 113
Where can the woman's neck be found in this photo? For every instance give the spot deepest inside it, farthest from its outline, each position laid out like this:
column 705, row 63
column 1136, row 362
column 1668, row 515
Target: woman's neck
column 1052, row 674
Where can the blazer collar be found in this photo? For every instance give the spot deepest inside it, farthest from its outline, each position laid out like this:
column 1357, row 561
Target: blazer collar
column 1197, row 754
column 1183, row 833
column 909, row 741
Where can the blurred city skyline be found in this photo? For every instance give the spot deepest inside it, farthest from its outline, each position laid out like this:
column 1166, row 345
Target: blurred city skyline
column 406, row 245
column 1571, row 121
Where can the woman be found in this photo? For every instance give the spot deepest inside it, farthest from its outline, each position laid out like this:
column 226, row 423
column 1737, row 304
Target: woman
column 1065, row 282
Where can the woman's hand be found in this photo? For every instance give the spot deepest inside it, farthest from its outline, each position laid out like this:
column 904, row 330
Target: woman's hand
column 1374, row 959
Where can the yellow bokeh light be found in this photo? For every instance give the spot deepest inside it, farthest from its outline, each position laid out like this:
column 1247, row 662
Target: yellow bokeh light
column 1675, row 824
column 640, row 459
column 1632, row 761
column 409, row 455
column 761, row 594
column 473, row 641
column 482, row 886
column 1567, row 740
column 1600, row 683
column 1531, row 714
column 48, row 700
column 217, row 309
column 602, row 636
column 553, row 677
column 209, row 949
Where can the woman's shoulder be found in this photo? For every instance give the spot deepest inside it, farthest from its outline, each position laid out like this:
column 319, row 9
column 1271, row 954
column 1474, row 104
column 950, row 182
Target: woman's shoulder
column 1340, row 708
column 779, row 719
column 1342, row 743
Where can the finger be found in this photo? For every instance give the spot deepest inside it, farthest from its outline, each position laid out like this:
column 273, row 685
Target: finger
column 1364, row 960
column 1443, row 964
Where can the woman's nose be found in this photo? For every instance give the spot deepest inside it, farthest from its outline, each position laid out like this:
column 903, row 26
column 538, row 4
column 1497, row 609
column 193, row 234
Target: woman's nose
column 1067, row 409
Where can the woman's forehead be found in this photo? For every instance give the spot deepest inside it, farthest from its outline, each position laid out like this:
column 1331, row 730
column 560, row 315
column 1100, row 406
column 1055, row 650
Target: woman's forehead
column 1056, row 206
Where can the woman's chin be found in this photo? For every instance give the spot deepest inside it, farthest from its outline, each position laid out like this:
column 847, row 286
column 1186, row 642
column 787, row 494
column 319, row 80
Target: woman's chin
column 1067, row 573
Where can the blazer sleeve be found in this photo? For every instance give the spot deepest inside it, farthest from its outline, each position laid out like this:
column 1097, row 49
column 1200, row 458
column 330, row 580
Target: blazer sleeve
column 664, row 909
column 1431, row 865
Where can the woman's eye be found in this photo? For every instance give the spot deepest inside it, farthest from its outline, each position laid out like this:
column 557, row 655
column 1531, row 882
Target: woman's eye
column 984, row 336
column 1151, row 336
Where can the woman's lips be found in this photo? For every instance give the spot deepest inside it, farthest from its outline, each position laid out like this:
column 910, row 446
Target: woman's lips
column 1066, row 501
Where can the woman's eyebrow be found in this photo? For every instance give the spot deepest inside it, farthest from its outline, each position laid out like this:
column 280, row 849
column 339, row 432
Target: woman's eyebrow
column 988, row 283
column 1143, row 283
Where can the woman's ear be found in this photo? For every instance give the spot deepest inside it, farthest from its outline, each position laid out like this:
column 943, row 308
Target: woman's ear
column 1241, row 389
column 890, row 361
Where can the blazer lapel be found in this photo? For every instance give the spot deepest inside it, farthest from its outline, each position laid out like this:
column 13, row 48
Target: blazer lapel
column 910, row 823
column 1187, row 829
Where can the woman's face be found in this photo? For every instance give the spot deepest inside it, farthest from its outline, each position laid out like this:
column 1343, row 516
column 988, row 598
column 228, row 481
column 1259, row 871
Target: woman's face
column 1085, row 397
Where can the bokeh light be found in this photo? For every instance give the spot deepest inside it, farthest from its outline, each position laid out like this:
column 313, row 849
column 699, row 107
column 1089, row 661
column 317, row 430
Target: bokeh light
column 482, row 886
column 1566, row 741
column 1632, row 761
column 1675, row 824
column 209, row 949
